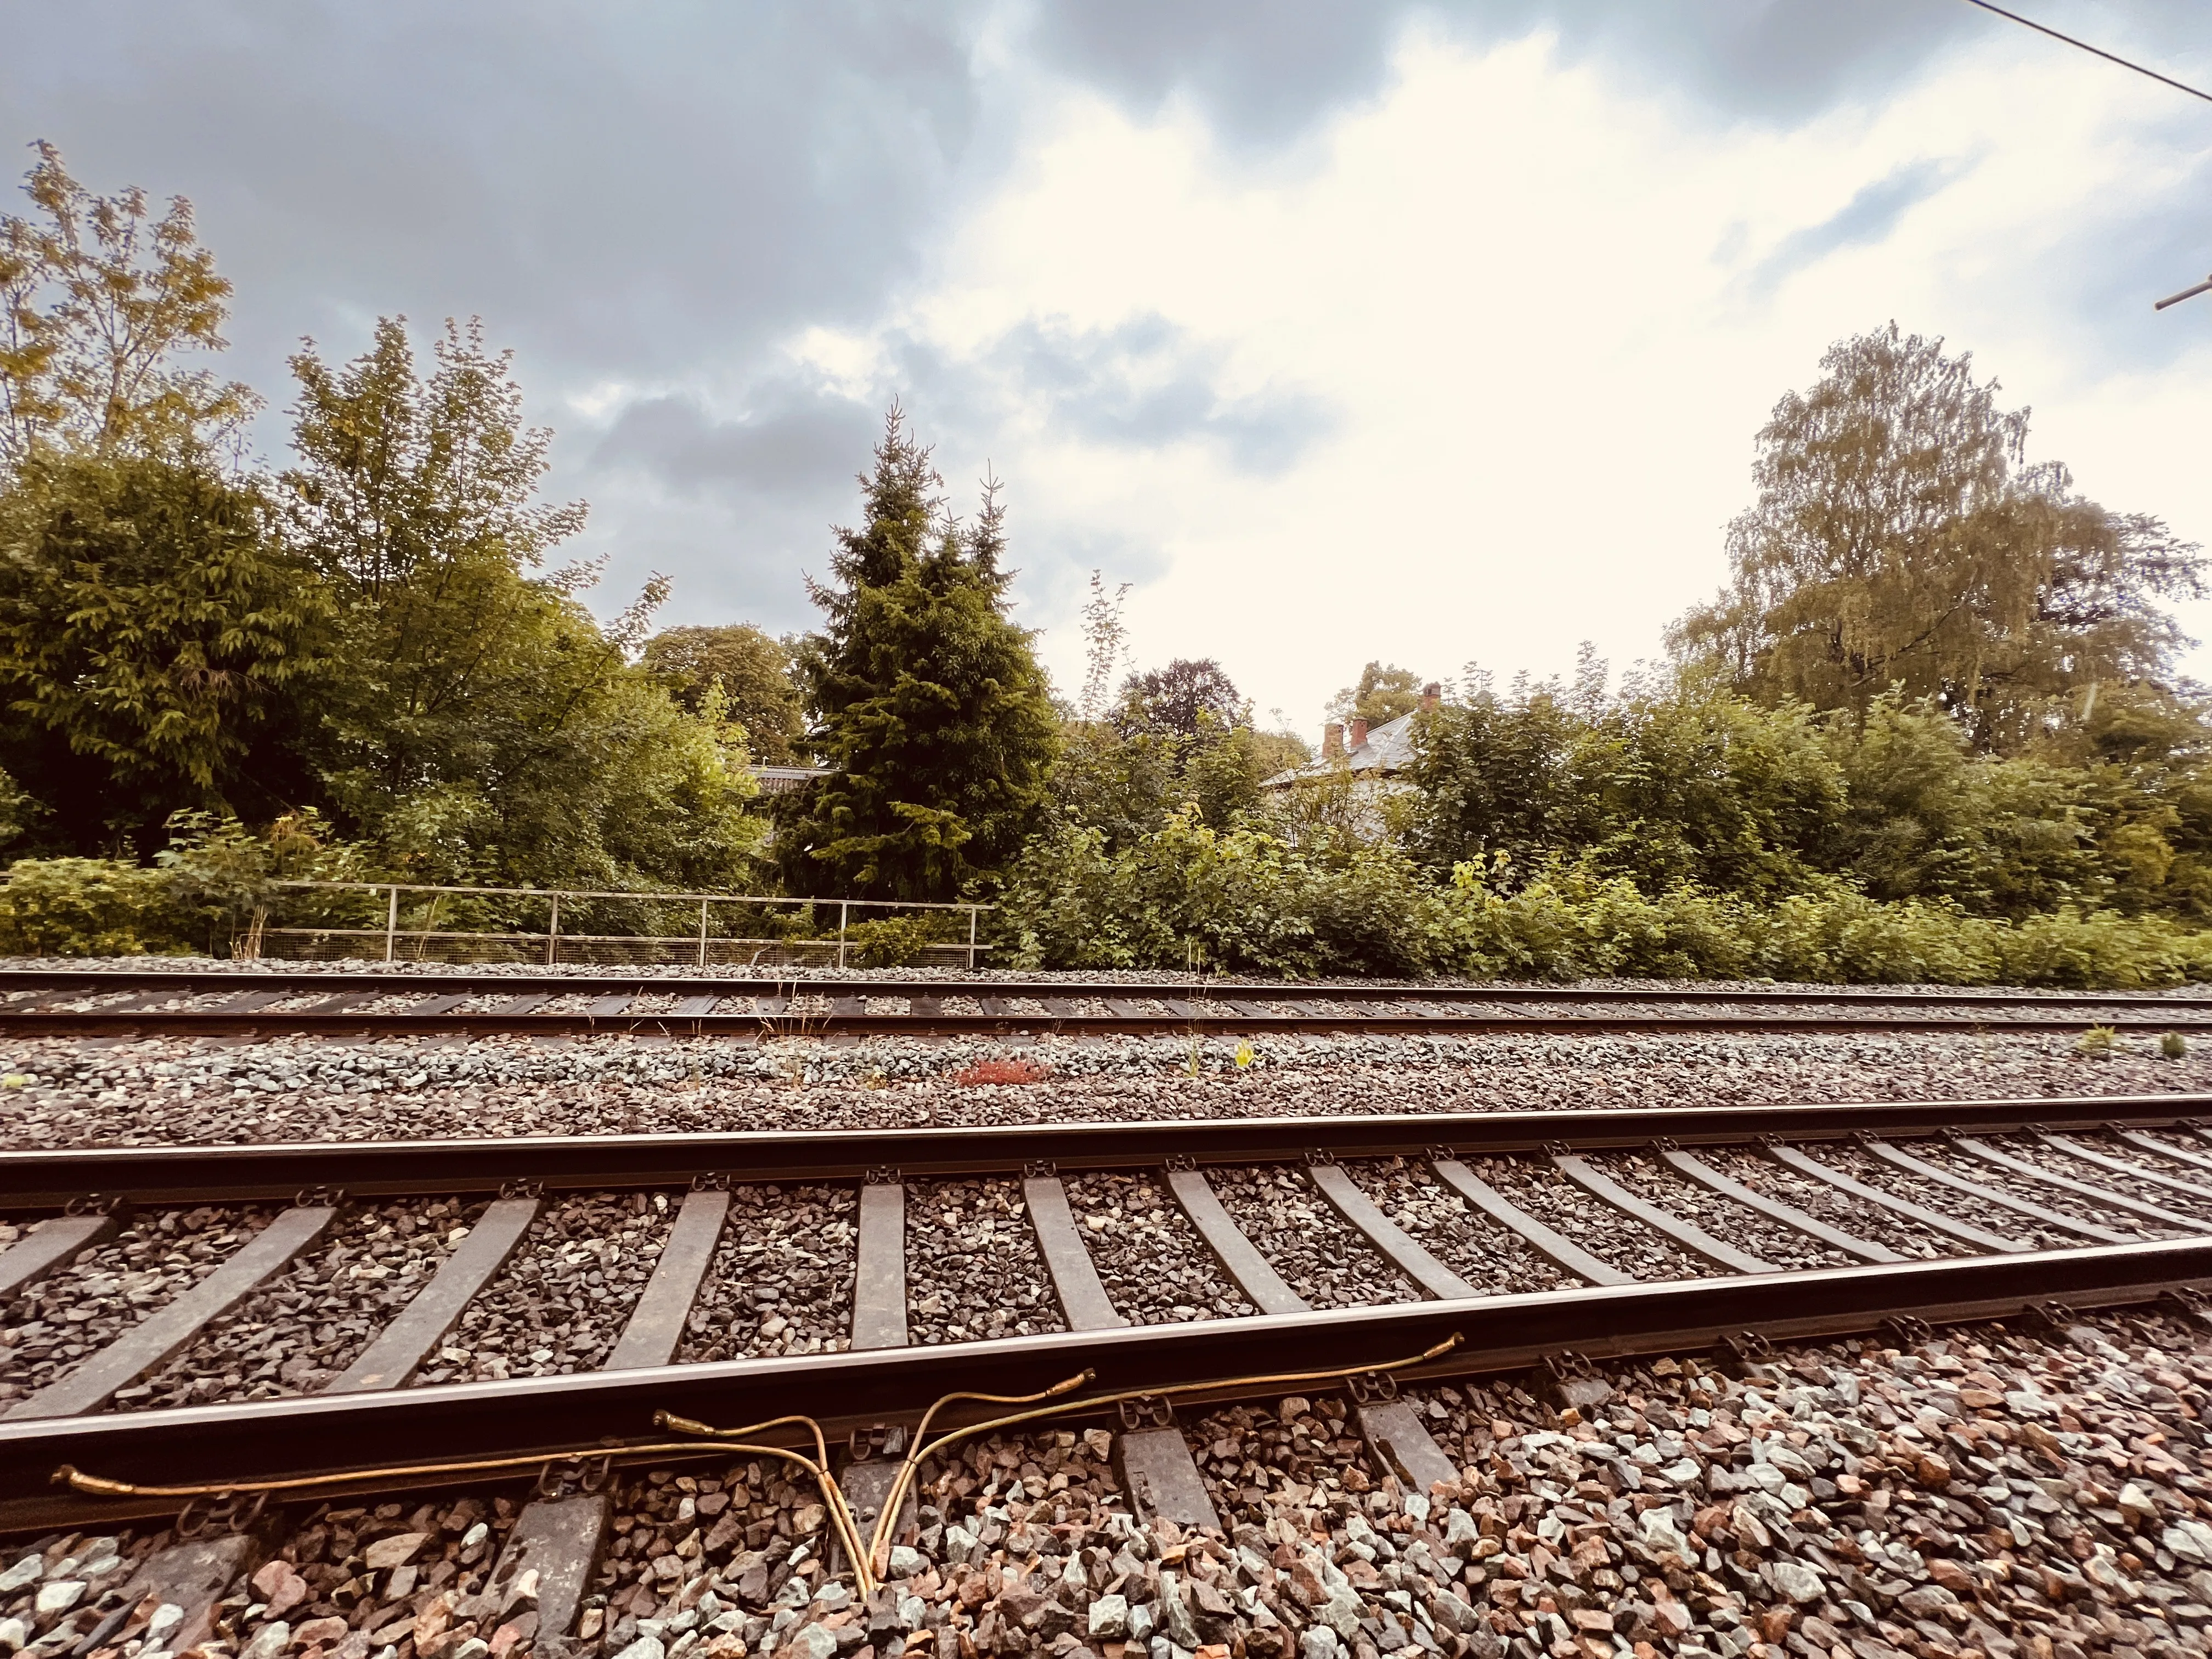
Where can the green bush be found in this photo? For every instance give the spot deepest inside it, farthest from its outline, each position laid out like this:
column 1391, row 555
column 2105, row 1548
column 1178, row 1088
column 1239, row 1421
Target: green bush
column 893, row 942
column 1253, row 902
column 85, row 907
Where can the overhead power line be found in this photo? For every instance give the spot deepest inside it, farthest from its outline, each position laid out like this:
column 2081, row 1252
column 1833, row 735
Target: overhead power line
column 2110, row 58
column 2204, row 287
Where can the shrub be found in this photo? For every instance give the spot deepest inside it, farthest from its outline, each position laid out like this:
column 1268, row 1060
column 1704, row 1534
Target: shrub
column 85, row 907
column 893, row 942
column 1256, row 903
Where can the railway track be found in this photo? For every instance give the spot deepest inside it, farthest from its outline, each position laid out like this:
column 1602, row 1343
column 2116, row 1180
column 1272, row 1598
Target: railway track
column 126, row 1002
column 1490, row 1242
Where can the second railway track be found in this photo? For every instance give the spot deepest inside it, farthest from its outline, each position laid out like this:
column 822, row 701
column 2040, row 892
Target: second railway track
column 1152, row 1256
column 349, row 1003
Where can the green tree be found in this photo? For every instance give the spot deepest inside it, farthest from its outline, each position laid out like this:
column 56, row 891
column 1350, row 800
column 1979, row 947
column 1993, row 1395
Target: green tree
column 1900, row 541
column 153, row 635
column 486, row 725
column 97, row 300
column 1383, row 693
column 1186, row 699
column 926, row 699
column 754, row 671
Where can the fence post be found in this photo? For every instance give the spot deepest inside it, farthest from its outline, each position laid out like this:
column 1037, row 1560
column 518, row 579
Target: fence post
column 703, row 931
column 972, row 913
column 843, row 908
column 391, row 925
column 553, row 931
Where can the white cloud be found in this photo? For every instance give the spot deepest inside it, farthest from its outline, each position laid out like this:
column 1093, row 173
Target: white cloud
column 1545, row 310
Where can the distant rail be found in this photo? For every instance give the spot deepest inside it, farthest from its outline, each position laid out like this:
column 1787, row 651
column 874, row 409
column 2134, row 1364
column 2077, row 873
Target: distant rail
column 185, row 1002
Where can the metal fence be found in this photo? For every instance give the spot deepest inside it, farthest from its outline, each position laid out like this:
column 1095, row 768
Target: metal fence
column 398, row 922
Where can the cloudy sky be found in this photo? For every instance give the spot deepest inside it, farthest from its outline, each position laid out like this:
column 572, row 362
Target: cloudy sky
column 1435, row 333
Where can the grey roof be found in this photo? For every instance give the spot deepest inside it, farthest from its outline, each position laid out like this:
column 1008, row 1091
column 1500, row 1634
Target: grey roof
column 786, row 779
column 1388, row 748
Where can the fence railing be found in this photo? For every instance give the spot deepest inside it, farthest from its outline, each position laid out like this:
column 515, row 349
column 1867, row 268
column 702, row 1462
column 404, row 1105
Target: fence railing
column 402, row 937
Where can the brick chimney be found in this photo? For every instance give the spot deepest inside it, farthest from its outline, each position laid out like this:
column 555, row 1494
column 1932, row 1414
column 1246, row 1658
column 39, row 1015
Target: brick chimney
column 1332, row 742
column 1357, row 734
column 1432, row 694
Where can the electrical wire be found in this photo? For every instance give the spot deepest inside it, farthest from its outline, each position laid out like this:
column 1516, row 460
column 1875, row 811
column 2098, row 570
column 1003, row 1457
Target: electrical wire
column 2110, row 58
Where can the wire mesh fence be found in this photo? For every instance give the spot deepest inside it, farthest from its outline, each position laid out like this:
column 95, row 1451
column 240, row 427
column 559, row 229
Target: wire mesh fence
column 398, row 921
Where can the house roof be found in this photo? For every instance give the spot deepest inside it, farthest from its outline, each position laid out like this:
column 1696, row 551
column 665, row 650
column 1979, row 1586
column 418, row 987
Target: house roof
column 1388, row 748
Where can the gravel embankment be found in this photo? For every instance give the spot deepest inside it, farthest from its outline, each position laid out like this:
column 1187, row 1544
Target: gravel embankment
column 1488, row 1256
column 56, row 1092
column 1155, row 1268
column 973, row 1270
column 783, row 1279
column 51, row 1325
column 1994, row 1492
column 1315, row 1250
column 560, row 1303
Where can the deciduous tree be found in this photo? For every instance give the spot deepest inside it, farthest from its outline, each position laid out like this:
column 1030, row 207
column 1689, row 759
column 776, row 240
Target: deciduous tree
column 1900, row 541
column 754, row 671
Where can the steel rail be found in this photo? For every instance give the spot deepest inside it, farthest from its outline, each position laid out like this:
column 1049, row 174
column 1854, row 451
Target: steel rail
column 362, row 1420
column 40, row 1179
column 502, row 981
column 598, row 1411
column 1210, row 1020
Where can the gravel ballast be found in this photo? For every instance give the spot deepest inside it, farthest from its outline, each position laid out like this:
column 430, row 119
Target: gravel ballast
column 1316, row 1251
column 306, row 1324
column 1155, row 1268
column 783, row 1277
column 1846, row 1212
column 973, row 1269
column 1722, row 1216
column 1541, row 1192
column 560, row 1303
column 2008, row 1493
column 52, row 1324
column 1489, row 1256
column 160, row 1091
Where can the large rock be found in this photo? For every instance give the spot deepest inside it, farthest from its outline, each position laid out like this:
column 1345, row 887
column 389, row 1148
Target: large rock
column 1109, row 1619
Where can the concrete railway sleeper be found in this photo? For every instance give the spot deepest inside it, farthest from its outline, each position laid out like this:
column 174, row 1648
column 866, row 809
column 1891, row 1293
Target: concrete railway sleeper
column 227, row 1341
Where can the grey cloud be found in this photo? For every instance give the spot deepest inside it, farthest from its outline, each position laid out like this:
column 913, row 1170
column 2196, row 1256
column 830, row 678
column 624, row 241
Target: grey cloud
column 1868, row 217
column 1264, row 70
column 1144, row 384
column 659, row 194
column 797, row 444
column 620, row 190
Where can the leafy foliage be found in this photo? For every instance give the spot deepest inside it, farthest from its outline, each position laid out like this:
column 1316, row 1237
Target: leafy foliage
column 486, row 725
column 1381, row 695
column 1186, row 700
column 73, row 907
column 1900, row 543
column 152, row 628
column 96, row 300
column 754, row 671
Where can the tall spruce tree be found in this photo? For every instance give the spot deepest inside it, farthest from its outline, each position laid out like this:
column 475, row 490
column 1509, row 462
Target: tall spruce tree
column 926, row 699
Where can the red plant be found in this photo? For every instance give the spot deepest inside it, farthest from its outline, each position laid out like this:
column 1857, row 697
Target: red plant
column 1001, row 1071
